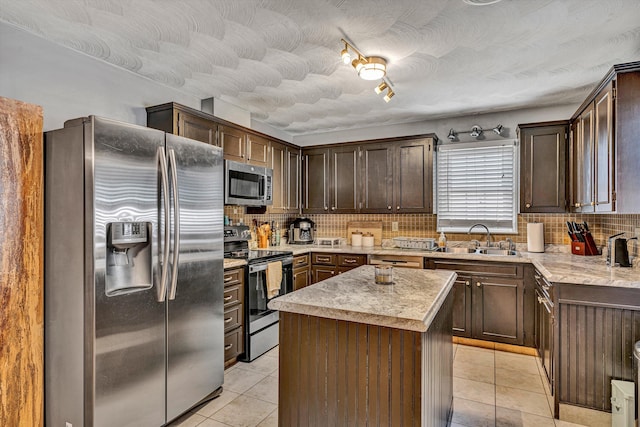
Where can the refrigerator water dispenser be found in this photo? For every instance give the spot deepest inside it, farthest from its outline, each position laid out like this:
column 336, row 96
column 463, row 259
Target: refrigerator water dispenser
column 129, row 267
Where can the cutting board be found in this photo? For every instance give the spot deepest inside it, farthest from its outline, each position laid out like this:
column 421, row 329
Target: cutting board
column 373, row 227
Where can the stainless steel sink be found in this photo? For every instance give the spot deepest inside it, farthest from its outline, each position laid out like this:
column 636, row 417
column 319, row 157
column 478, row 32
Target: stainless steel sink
column 481, row 251
column 460, row 250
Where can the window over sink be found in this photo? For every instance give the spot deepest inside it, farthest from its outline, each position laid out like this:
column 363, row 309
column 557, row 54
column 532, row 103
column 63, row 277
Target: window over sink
column 475, row 183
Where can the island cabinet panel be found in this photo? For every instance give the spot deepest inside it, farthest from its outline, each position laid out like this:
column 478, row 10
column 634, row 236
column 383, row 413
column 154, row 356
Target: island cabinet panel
column 341, row 373
column 596, row 330
column 462, row 306
column 498, row 309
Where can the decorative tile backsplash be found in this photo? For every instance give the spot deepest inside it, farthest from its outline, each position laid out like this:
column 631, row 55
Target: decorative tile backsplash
column 424, row 225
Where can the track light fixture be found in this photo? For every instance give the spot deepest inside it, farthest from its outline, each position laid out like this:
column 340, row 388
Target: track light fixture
column 475, row 132
column 368, row 67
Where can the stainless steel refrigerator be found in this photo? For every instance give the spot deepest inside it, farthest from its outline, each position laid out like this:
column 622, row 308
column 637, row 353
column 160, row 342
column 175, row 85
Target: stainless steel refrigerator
column 133, row 274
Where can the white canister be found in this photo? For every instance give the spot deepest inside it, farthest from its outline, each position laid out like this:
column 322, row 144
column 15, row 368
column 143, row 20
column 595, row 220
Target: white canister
column 367, row 240
column 356, row 238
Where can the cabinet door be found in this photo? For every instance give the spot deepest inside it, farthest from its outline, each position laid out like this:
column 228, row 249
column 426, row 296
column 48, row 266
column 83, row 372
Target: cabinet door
column 376, row 171
column 603, row 150
column 279, row 183
column 343, row 181
column 315, row 181
column 584, row 162
column 498, row 309
column 257, row 150
column 322, row 272
column 233, row 142
column 542, row 174
column 292, row 199
column 462, row 306
column 544, row 337
column 300, row 278
column 413, row 176
column 196, row 128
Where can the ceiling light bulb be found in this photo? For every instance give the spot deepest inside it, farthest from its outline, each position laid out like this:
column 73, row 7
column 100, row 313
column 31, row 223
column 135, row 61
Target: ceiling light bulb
column 498, row 129
column 373, row 68
column 452, row 135
column 346, row 58
column 475, row 131
column 358, row 64
column 389, row 95
column 382, row 86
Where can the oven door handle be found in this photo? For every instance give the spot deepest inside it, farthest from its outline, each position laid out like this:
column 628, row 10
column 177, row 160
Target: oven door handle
column 262, row 266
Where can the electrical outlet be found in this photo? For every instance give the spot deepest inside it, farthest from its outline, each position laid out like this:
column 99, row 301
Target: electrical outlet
column 235, row 210
column 637, row 232
column 394, row 225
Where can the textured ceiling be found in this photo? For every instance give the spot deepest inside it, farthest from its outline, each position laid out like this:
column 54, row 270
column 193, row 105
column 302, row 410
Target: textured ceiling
column 279, row 59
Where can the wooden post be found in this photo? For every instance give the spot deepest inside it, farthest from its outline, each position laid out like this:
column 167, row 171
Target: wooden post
column 21, row 264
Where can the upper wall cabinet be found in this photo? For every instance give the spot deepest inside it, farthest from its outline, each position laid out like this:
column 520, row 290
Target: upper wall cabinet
column 285, row 162
column 184, row 121
column 391, row 176
column 543, row 166
column 604, row 149
column 244, row 147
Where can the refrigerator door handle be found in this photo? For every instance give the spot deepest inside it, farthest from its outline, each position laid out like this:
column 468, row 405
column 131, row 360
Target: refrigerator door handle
column 176, row 224
column 162, row 287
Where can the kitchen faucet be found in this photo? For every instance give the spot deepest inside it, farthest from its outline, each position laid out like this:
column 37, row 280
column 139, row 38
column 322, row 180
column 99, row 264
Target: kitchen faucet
column 486, row 228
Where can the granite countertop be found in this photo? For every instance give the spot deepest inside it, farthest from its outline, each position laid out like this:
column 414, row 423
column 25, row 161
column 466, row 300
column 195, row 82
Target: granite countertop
column 411, row 303
column 557, row 267
column 234, row 263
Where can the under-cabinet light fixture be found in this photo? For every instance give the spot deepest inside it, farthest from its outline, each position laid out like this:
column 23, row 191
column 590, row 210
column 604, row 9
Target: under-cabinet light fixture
column 475, row 132
column 368, row 67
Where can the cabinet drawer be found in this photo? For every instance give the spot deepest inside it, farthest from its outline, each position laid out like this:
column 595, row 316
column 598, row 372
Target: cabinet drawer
column 233, row 344
column 351, row 260
column 324, row 259
column 232, row 295
column 484, row 268
column 300, row 260
column 232, row 317
column 231, row 277
column 300, row 278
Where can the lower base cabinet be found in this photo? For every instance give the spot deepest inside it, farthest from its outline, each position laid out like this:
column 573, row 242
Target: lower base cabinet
column 301, row 272
column 233, row 315
column 326, row 265
column 489, row 301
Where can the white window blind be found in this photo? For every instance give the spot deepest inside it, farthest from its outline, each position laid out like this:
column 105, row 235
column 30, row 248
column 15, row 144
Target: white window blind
column 476, row 184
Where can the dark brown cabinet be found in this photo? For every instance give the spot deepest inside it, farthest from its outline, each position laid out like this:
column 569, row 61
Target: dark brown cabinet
column 301, row 272
column 381, row 177
column 285, row 162
column 326, row 265
column 543, row 166
column 604, row 150
column 258, row 150
column 489, row 301
column 184, row 121
column 233, row 300
column 544, row 322
column 234, row 143
column 330, row 180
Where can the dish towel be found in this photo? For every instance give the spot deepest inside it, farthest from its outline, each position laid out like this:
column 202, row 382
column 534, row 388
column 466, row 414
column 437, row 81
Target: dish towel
column 274, row 278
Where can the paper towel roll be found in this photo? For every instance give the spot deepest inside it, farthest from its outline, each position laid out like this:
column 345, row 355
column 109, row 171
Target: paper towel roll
column 535, row 237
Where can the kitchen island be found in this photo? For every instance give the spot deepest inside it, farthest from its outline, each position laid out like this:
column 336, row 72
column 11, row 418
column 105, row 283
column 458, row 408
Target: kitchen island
column 356, row 353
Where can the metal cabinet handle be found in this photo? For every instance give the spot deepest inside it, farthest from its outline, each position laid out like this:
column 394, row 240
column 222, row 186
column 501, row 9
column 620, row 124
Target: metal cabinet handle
column 326, row 208
column 323, row 259
column 593, row 203
column 479, row 284
column 350, row 261
column 333, row 208
column 228, row 347
column 467, row 283
column 528, row 205
column 577, row 205
column 398, row 207
column 228, row 298
column 228, row 319
column 228, row 279
column 389, row 207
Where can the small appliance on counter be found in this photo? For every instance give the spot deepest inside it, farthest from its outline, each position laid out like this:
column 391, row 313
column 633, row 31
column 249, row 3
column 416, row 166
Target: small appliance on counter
column 617, row 252
column 301, row 231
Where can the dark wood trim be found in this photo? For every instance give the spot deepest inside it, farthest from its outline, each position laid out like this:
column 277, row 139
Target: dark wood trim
column 543, row 124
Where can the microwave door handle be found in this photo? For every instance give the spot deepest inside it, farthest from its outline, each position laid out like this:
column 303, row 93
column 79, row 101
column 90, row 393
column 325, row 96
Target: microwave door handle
column 176, row 224
column 164, row 183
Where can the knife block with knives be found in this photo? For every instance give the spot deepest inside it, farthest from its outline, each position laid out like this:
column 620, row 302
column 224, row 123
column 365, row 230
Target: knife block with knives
column 582, row 242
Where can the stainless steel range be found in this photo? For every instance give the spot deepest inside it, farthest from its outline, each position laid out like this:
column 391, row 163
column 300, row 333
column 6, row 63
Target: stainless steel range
column 261, row 323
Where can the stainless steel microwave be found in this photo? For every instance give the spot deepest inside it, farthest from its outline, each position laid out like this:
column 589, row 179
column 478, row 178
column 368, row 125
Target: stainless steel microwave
column 247, row 185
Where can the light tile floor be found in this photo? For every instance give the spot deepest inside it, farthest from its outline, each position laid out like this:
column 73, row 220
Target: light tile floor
column 490, row 388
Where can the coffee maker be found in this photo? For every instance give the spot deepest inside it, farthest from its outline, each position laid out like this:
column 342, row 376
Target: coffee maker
column 617, row 251
column 301, row 231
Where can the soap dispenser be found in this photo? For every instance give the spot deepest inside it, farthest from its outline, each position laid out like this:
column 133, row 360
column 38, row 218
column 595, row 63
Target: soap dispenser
column 442, row 241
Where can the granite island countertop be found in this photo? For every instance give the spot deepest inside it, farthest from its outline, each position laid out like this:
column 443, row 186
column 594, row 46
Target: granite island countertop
column 557, row 267
column 411, row 303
